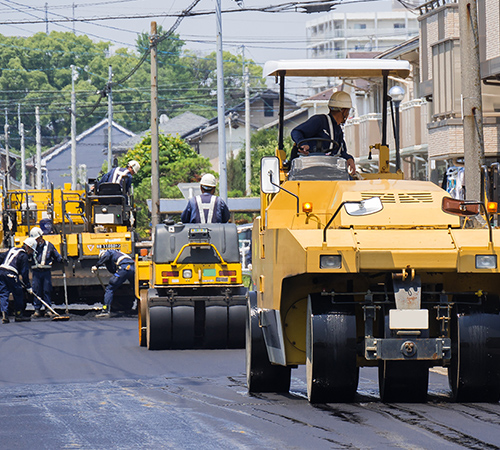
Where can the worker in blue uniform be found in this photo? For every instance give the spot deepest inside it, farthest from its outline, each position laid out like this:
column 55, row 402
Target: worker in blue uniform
column 122, row 267
column 14, row 264
column 207, row 207
column 45, row 255
column 121, row 176
column 325, row 126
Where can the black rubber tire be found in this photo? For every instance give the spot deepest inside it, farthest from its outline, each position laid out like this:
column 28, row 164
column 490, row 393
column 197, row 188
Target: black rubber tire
column 183, row 327
column 216, row 323
column 403, row 381
column 142, row 313
column 474, row 372
column 158, row 328
column 262, row 376
column 331, row 366
column 236, row 331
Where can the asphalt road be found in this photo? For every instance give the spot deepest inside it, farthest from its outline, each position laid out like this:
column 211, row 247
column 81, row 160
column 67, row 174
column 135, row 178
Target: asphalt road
column 86, row 384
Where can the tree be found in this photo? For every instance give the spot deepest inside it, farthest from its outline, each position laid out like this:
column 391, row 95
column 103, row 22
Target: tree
column 178, row 163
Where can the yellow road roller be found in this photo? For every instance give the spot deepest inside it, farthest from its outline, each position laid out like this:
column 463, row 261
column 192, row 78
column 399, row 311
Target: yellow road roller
column 378, row 271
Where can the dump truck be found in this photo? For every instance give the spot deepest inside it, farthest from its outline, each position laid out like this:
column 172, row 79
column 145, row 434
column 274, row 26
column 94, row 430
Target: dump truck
column 190, row 288
column 80, row 223
column 375, row 272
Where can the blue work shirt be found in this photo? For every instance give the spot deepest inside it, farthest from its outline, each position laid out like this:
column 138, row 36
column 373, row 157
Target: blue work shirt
column 16, row 261
column 118, row 175
column 214, row 208
column 45, row 255
column 113, row 259
column 318, row 126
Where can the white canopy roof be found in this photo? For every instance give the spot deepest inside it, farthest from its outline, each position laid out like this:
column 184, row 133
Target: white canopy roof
column 346, row 68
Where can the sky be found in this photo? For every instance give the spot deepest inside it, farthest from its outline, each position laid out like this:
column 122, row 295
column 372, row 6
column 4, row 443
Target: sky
column 264, row 36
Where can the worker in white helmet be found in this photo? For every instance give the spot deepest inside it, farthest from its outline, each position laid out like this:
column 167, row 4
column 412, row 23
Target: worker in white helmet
column 15, row 264
column 207, row 207
column 43, row 259
column 326, row 127
column 121, row 176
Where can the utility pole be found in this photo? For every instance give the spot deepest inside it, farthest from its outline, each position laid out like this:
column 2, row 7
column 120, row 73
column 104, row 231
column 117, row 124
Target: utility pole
column 47, row 19
column 7, row 153
column 221, row 114
column 74, row 6
column 110, row 120
column 248, row 171
column 472, row 108
column 155, row 169
column 38, row 149
column 23, row 150
column 73, row 128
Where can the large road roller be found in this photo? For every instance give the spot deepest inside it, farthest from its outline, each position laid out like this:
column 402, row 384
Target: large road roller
column 190, row 288
column 379, row 271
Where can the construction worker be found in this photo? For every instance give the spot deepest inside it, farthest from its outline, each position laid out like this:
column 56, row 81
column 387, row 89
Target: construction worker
column 325, row 126
column 207, row 207
column 122, row 267
column 15, row 263
column 45, row 255
column 120, row 175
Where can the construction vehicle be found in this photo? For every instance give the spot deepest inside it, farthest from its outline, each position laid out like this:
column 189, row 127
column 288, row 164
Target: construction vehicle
column 190, row 288
column 80, row 223
column 380, row 271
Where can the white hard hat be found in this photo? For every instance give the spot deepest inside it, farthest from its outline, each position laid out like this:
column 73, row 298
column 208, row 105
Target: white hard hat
column 340, row 99
column 208, row 180
column 134, row 165
column 36, row 232
column 102, row 253
column 31, row 243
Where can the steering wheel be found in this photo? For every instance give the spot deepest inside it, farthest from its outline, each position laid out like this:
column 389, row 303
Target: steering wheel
column 335, row 148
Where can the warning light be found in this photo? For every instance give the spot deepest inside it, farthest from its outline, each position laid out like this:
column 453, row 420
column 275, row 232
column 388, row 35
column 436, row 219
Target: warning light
column 307, row 207
column 492, row 207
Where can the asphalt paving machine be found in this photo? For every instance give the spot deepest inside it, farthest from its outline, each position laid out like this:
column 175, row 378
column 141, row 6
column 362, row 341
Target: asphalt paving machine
column 80, row 223
column 378, row 271
column 190, row 288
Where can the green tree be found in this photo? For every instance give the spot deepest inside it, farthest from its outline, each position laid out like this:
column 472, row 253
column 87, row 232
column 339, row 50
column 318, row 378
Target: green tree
column 178, row 163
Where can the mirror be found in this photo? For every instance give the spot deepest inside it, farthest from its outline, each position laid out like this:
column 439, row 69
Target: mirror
column 269, row 171
column 364, row 207
column 460, row 207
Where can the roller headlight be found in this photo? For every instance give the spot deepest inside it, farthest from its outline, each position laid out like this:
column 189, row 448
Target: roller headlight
column 486, row 261
column 330, row 261
column 187, row 273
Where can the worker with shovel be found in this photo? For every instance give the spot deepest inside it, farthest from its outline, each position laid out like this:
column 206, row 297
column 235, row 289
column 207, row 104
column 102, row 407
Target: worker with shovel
column 15, row 263
column 122, row 267
column 45, row 255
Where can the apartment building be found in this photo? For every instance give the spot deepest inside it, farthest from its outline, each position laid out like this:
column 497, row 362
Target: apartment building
column 440, row 80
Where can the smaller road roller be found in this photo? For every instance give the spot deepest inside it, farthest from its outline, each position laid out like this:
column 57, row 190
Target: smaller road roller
column 190, row 288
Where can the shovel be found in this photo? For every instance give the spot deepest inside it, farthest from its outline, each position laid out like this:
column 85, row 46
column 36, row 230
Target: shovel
column 57, row 316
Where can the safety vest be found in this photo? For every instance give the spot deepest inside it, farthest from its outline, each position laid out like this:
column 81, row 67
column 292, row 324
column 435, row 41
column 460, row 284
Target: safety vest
column 202, row 207
column 11, row 259
column 42, row 264
column 122, row 258
column 118, row 175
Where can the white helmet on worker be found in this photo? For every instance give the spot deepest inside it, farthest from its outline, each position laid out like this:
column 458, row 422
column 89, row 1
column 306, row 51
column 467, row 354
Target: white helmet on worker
column 134, row 165
column 340, row 100
column 31, row 243
column 36, row 232
column 208, row 180
column 102, row 252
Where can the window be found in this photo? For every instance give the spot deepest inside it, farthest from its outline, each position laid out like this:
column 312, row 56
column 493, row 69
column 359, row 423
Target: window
column 360, row 26
column 399, row 26
column 268, row 107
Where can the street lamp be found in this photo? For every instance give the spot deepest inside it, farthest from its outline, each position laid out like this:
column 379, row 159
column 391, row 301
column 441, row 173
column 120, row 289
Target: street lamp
column 397, row 94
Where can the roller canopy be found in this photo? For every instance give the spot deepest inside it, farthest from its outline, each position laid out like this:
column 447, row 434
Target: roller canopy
column 347, row 68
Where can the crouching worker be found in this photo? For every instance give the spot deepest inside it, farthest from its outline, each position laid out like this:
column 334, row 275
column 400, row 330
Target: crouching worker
column 45, row 255
column 15, row 263
column 122, row 267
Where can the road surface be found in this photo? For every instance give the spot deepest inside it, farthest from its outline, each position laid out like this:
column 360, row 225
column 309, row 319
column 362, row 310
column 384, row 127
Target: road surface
column 86, row 384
